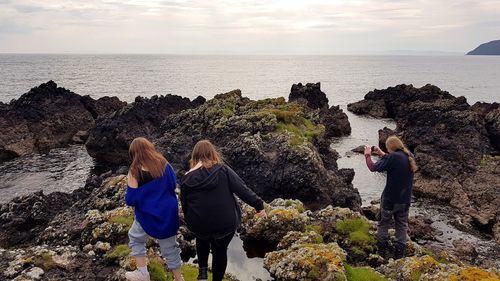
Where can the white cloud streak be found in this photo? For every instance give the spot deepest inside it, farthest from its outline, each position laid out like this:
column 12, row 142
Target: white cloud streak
column 249, row 26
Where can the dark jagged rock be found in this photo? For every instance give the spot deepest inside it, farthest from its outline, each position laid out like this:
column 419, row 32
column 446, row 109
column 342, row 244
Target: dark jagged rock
column 333, row 118
column 491, row 48
column 268, row 143
column 48, row 117
column 109, row 140
column 383, row 134
column 310, row 93
column 493, row 127
column 393, row 101
column 454, row 144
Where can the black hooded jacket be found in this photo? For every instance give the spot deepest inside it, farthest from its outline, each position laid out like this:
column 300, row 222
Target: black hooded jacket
column 208, row 203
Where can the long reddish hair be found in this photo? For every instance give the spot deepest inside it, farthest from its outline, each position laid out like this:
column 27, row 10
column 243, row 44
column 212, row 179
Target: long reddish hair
column 206, row 153
column 145, row 157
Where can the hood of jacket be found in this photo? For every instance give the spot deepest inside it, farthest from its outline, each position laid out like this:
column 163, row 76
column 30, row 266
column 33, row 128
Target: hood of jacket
column 203, row 178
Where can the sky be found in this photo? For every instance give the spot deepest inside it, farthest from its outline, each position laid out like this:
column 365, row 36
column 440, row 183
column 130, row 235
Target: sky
column 246, row 27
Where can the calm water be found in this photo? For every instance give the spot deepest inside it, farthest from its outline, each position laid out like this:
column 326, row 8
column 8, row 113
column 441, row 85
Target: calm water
column 344, row 79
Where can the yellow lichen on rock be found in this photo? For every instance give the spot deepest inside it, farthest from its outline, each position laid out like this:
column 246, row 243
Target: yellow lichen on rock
column 475, row 274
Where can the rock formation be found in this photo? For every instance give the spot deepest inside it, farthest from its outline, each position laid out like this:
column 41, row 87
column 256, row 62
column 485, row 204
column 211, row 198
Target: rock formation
column 455, row 146
column 109, row 140
column 278, row 148
column 47, row 117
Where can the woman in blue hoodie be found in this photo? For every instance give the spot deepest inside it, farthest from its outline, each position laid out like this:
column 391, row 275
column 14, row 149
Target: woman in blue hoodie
column 151, row 191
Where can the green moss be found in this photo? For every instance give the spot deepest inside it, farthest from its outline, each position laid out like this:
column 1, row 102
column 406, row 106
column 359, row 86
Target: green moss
column 228, row 110
column 357, row 231
column 314, row 227
column 189, row 272
column 118, row 252
column 157, row 271
column 486, row 159
column 363, row 274
column 45, row 262
column 125, row 220
column 415, row 276
column 314, row 273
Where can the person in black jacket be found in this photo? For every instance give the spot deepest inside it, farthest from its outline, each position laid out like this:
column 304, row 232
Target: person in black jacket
column 210, row 209
column 395, row 201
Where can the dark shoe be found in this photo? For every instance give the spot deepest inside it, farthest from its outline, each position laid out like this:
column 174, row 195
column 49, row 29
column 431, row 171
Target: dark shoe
column 202, row 274
column 382, row 248
column 399, row 251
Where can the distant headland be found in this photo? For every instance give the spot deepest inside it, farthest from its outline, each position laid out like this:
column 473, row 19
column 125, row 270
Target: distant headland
column 491, row 48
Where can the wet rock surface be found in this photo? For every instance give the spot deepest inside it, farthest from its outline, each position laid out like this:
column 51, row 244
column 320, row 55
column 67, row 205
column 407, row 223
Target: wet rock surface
column 47, row 117
column 336, row 243
column 455, row 145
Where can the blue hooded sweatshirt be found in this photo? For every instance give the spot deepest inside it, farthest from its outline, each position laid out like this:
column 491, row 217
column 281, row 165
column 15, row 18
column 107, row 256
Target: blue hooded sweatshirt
column 155, row 205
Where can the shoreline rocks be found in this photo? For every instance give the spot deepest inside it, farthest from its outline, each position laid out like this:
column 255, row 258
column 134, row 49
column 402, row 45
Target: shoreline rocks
column 48, row 117
column 455, row 146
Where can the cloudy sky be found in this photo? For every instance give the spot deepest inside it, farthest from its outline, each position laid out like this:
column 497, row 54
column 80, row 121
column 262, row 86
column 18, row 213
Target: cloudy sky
column 246, row 27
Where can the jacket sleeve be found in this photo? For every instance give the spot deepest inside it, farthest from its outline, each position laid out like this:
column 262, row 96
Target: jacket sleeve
column 383, row 164
column 238, row 187
column 131, row 196
column 183, row 197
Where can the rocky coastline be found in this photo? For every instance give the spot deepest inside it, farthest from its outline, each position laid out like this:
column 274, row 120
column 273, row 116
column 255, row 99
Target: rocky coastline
column 281, row 149
column 456, row 146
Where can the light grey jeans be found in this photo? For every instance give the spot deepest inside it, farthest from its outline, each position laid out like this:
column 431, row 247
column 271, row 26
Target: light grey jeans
column 169, row 247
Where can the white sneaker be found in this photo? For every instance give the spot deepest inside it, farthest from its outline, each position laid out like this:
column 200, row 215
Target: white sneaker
column 137, row 275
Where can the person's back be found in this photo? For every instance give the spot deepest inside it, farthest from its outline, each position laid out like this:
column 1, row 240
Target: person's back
column 399, row 184
column 210, row 209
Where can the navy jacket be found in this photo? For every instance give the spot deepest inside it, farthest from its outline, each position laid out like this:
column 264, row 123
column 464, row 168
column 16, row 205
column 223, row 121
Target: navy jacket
column 399, row 179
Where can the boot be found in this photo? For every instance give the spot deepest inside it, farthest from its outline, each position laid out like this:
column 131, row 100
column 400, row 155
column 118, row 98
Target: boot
column 399, row 251
column 382, row 248
column 202, row 274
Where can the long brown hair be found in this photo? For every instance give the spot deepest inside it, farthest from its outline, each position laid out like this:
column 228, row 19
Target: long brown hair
column 394, row 143
column 145, row 157
column 206, row 153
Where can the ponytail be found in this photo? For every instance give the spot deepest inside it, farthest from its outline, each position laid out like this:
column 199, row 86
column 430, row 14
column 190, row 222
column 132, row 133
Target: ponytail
column 411, row 159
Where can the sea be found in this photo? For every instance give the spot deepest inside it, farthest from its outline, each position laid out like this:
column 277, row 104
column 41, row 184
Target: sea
column 344, row 79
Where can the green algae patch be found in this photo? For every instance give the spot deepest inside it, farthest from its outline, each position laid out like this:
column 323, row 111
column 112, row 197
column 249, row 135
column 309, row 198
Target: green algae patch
column 487, row 159
column 157, row 271
column 125, row 220
column 45, row 262
column 357, row 231
column 118, row 252
column 363, row 274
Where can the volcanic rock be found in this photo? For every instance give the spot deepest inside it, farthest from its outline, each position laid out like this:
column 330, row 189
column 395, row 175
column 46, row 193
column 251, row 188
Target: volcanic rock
column 109, row 140
column 48, row 117
column 275, row 146
column 454, row 143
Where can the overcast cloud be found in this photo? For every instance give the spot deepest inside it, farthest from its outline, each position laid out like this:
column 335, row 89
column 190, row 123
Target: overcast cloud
column 251, row 26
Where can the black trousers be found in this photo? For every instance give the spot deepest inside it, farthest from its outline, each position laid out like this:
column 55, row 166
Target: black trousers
column 219, row 254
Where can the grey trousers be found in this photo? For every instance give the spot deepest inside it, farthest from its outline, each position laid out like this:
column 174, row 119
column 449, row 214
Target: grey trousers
column 400, row 215
column 169, row 247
